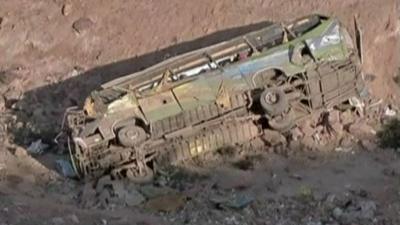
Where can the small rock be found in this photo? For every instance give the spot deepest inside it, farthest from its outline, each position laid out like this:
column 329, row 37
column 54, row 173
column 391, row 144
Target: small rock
column 343, row 149
column 75, row 71
column 167, row 203
column 297, row 134
column 11, row 97
column 57, row 221
column 334, row 116
column 238, row 201
column 307, row 129
column 296, row 176
column 306, row 193
column 330, row 199
column 390, row 172
column 66, row 9
column 133, row 198
column 150, row 191
column 74, row 219
column 20, row 152
column 104, row 199
column 314, row 223
column 346, row 117
column 82, row 25
column 104, row 222
column 337, row 213
column 37, row 147
column 2, row 103
column 116, row 191
column 369, row 145
column 103, row 182
column 389, row 111
column 274, row 137
column 362, row 130
column 238, row 179
column 368, row 209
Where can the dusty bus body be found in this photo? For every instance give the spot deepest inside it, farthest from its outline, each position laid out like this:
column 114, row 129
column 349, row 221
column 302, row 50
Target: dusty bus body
column 225, row 94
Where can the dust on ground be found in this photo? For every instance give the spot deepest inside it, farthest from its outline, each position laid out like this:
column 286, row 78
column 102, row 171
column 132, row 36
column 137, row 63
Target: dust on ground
column 54, row 52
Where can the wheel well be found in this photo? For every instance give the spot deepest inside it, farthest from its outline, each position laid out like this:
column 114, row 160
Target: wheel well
column 130, row 121
column 261, row 78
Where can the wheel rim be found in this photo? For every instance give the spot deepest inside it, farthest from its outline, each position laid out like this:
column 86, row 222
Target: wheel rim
column 131, row 135
column 271, row 98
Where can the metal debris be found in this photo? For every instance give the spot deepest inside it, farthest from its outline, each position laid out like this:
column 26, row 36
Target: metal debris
column 389, row 111
column 37, row 147
column 65, row 168
column 358, row 104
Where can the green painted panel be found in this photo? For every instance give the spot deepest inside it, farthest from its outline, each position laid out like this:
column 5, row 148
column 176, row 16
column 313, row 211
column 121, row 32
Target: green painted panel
column 199, row 92
column 159, row 106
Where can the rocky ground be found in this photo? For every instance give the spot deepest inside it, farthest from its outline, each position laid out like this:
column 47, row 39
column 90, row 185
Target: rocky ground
column 54, row 52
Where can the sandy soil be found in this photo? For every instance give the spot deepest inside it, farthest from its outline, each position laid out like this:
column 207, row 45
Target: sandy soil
column 54, row 52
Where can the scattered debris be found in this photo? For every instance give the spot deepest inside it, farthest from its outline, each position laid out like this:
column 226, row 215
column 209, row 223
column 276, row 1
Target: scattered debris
column 37, row 147
column 82, row 25
column 113, row 192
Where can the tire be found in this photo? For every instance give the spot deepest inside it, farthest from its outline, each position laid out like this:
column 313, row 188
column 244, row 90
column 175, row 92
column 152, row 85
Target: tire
column 147, row 178
column 276, row 106
column 131, row 136
column 284, row 122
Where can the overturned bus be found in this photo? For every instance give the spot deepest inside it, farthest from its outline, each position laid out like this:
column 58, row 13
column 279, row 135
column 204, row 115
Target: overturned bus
column 224, row 94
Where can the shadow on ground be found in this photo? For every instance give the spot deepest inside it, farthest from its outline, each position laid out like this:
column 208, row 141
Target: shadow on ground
column 40, row 111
